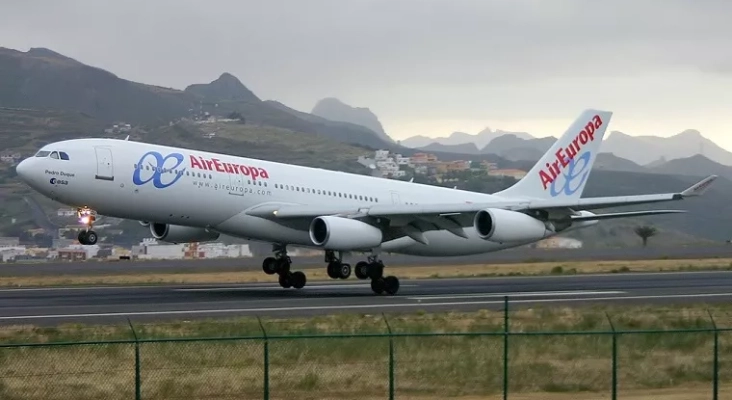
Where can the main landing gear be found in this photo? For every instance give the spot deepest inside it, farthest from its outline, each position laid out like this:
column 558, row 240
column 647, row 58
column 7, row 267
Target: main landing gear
column 87, row 217
column 374, row 269
column 280, row 264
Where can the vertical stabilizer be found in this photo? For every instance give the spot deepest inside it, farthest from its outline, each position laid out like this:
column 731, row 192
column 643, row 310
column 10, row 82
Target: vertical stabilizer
column 562, row 172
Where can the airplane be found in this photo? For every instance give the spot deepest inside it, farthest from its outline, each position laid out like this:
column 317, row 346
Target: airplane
column 186, row 195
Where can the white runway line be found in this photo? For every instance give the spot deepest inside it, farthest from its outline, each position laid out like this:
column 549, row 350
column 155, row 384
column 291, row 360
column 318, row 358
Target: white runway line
column 518, row 294
column 316, row 287
column 355, row 307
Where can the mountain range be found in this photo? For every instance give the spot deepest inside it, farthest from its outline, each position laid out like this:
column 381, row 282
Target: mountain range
column 46, row 96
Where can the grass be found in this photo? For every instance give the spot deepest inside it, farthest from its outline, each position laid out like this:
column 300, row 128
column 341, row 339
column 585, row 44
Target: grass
column 650, row 365
column 404, row 272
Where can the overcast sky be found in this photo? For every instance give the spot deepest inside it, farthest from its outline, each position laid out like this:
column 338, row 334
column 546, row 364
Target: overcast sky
column 423, row 66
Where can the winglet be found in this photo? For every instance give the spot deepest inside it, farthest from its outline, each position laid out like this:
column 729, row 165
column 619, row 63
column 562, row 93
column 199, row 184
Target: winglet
column 700, row 187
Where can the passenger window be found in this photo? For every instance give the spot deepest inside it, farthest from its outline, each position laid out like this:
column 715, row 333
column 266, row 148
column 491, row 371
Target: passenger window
column 64, row 156
column 54, row 155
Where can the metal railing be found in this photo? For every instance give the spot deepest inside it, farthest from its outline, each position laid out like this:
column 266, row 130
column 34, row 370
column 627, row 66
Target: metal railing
column 496, row 360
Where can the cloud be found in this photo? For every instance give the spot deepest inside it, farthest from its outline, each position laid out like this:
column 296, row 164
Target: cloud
column 405, row 59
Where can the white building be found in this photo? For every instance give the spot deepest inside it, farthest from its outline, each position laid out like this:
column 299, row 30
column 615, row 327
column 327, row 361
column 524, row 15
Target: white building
column 9, row 253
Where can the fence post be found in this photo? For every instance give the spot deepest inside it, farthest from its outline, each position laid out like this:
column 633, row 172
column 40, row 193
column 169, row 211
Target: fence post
column 391, row 358
column 138, row 389
column 614, row 395
column 505, row 347
column 265, row 384
column 715, row 379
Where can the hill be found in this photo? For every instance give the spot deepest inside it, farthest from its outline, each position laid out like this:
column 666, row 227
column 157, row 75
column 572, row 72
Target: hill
column 648, row 149
column 335, row 110
column 481, row 139
column 43, row 79
column 465, row 148
column 696, row 166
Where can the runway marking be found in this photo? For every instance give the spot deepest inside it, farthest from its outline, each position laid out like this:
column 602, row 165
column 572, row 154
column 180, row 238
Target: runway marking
column 270, row 287
column 356, row 306
column 521, row 294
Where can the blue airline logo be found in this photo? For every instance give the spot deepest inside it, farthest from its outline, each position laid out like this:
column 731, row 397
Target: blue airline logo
column 161, row 176
column 576, row 172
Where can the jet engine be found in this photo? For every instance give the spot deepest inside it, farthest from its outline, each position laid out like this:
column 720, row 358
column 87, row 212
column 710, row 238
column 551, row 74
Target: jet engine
column 181, row 234
column 144, row 223
column 344, row 234
column 499, row 225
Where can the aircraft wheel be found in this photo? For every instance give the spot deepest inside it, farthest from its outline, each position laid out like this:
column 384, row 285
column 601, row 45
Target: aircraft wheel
column 377, row 285
column 298, row 279
column 391, row 285
column 344, row 271
column 362, row 270
column 285, row 281
column 91, row 238
column 82, row 237
column 269, row 265
column 333, row 270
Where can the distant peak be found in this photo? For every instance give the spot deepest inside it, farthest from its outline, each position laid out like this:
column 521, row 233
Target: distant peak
column 44, row 52
column 225, row 87
column 692, row 133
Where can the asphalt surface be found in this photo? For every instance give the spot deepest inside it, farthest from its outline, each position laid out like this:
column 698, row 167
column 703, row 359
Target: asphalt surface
column 509, row 256
column 105, row 305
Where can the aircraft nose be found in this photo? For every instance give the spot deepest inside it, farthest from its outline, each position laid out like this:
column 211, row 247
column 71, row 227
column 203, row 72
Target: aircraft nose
column 23, row 170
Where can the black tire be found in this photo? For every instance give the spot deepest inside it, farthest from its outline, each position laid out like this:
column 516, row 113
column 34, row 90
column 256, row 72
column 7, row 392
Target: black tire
column 285, row 281
column 376, row 270
column 377, row 285
column 283, row 265
column 298, row 279
column 333, row 270
column 91, row 238
column 391, row 285
column 82, row 237
column 362, row 270
column 344, row 271
column 269, row 265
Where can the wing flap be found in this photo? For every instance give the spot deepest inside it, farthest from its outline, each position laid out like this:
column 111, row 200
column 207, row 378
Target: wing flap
column 626, row 214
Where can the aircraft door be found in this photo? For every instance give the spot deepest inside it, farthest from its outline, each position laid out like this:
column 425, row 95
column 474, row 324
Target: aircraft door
column 395, row 198
column 236, row 184
column 105, row 168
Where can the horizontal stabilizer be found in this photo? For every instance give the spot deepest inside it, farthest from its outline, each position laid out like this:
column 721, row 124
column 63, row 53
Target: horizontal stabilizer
column 595, row 217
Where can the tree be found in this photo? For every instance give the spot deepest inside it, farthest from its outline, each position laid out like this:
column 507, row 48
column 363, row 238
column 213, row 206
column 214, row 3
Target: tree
column 645, row 232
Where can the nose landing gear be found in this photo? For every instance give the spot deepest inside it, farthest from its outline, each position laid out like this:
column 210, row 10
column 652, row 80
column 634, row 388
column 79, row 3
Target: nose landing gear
column 87, row 218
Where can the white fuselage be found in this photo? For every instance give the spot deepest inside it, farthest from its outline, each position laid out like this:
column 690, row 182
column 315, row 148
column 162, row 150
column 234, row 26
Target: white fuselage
column 118, row 178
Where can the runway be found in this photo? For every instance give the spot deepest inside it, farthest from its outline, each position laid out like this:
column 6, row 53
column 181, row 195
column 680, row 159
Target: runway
column 105, row 305
column 508, row 256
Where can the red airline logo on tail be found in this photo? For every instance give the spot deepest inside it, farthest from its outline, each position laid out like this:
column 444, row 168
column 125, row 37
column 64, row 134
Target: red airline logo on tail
column 563, row 155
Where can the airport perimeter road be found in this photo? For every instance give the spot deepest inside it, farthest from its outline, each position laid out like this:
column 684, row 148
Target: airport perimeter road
column 113, row 305
column 510, row 256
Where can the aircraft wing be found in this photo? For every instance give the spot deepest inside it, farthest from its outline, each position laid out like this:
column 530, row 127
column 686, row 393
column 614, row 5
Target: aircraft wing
column 454, row 216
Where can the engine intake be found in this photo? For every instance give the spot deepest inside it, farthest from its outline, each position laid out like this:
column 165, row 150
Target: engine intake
column 181, row 234
column 337, row 233
column 499, row 225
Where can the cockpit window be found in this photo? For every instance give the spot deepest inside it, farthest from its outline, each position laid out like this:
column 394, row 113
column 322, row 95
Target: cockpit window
column 43, row 153
column 54, row 155
column 64, row 156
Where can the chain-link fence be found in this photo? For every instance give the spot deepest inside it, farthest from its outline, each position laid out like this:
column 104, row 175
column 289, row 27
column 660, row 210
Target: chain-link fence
column 522, row 354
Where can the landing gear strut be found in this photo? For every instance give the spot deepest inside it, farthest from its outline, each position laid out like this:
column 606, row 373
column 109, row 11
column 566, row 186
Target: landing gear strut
column 87, row 217
column 337, row 269
column 280, row 264
column 374, row 269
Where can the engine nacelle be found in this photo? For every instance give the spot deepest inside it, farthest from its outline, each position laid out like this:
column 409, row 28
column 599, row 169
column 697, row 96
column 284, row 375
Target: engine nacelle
column 144, row 223
column 181, row 234
column 499, row 225
column 344, row 234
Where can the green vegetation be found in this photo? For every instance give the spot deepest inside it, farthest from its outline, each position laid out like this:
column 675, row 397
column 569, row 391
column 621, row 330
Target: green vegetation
column 466, row 360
